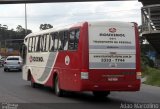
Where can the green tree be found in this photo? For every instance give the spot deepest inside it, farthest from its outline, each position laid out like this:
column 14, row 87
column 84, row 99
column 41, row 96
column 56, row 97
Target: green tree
column 145, row 48
column 45, row 26
column 19, row 28
column 21, row 32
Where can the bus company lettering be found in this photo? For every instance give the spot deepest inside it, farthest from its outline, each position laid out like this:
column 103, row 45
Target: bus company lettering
column 112, row 34
column 36, row 59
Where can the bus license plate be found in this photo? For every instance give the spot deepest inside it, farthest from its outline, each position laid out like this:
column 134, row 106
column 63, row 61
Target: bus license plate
column 113, row 79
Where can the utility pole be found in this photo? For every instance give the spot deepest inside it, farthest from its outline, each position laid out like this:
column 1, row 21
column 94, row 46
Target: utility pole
column 25, row 19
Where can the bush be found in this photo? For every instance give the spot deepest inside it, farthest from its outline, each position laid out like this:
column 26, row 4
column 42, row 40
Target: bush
column 145, row 61
column 153, row 76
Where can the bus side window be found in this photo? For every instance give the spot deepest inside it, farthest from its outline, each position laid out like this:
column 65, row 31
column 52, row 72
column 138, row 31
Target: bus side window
column 42, row 43
column 77, row 32
column 51, row 42
column 61, row 39
column 56, row 41
column 73, row 39
column 33, row 44
column 30, row 44
column 65, row 43
column 47, row 42
column 38, row 44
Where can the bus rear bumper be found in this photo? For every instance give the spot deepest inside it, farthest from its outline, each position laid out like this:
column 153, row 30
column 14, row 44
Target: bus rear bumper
column 111, row 86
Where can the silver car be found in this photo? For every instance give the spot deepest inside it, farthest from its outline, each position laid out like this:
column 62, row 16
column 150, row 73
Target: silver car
column 13, row 63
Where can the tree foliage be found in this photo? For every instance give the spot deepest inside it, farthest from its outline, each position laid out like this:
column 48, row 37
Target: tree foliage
column 145, row 48
column 45, row 26
column 6, row 34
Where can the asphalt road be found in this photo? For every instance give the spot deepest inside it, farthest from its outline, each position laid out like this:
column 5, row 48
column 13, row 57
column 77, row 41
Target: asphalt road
column 18, row 94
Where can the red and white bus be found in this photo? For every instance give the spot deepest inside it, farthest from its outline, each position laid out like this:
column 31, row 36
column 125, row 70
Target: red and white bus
column 100, row 56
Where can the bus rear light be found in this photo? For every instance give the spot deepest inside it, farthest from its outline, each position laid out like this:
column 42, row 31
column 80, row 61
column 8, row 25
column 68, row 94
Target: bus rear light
column 84, row 75
column 139, row 74
column 19, row 63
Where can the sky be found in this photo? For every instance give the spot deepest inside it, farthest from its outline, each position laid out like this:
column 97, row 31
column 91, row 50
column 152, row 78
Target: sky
column 59, row 14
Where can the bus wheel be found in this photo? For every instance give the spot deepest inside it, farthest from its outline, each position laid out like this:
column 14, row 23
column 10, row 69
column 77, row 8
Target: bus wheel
column 5, row 69
column 101, row 94
column 57, row 90
column 32, row 83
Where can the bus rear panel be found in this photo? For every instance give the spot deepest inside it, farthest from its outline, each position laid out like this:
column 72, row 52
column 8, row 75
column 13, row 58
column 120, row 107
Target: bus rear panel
column 113, row 57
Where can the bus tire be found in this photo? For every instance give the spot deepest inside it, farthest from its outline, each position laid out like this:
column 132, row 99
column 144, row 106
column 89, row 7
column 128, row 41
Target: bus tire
column 33, row 84
column 57, row 90
column 20, row 70
column 101, row 94
column 5, row 69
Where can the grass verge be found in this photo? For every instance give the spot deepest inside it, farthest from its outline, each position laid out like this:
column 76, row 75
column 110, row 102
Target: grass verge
column 153, row 76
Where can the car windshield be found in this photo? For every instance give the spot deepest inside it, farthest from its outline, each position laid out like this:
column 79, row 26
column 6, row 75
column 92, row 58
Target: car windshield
column 13, row 59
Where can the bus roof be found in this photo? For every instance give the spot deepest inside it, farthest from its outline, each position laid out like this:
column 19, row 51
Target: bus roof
column 59, row 28
column 114, row 23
